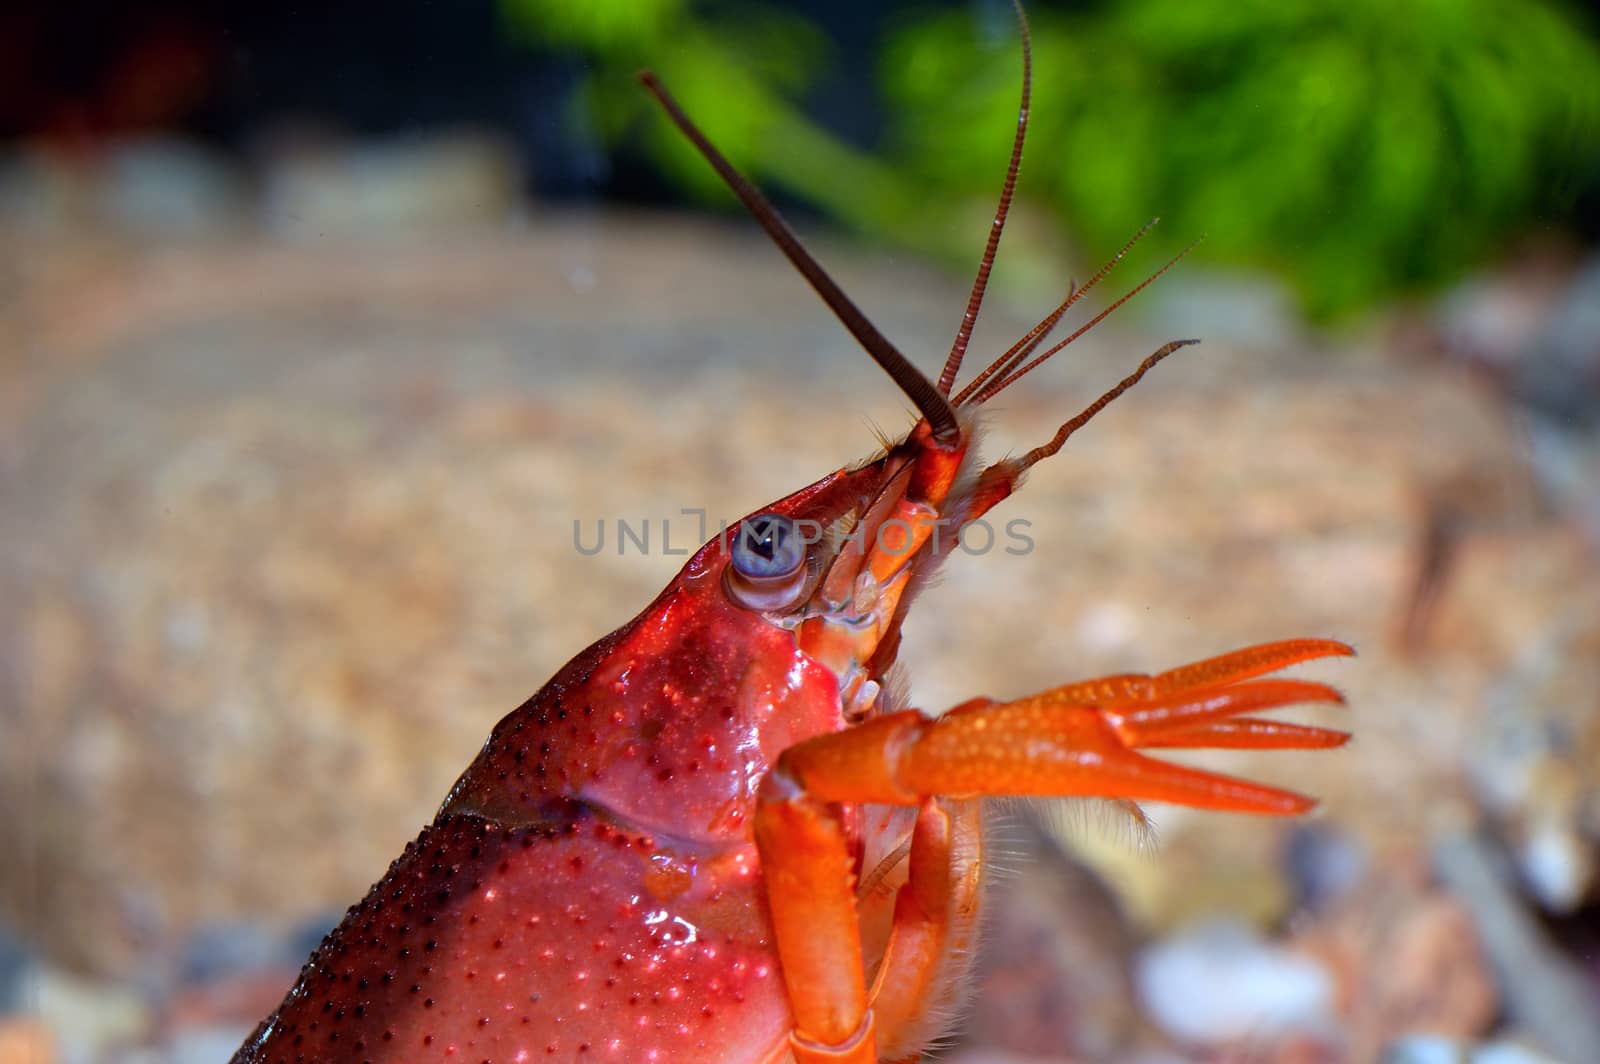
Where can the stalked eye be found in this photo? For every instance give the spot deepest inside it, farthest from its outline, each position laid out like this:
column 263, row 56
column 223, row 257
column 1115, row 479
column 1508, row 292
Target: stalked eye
column 768, row 545
column 768, row 570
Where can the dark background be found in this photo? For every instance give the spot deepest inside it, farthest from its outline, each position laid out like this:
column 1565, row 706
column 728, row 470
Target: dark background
column 73, row 73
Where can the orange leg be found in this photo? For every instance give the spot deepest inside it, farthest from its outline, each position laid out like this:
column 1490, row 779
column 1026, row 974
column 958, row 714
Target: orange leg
column 1080, row 739
column 935, row 917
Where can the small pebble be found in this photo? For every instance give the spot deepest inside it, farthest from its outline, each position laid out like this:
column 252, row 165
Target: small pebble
column 200, row 1045
column 221, row 950
column 1324, row 864
column 1221, row 982
column 1508, row 1053
column 14, row 969
column 1432, row 1049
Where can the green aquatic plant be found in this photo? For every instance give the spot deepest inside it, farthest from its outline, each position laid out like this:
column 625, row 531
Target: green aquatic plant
column 738, row 71
column 1359, row 149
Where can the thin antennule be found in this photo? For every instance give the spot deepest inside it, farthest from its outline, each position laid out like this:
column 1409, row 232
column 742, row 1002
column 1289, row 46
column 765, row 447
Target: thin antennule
column 1025, row 346
column 929, row 400
column 958, row 349
column 995, row 387
column 1040, row 453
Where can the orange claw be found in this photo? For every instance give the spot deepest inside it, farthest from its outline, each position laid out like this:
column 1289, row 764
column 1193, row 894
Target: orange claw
column 1080, row 739
column 1250, row 733
column 1245, row 664
column 1250, row 662
column 1147, row 723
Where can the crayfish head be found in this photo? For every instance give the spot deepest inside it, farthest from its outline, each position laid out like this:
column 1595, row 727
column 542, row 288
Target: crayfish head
column 833, row 562
column 837, row 559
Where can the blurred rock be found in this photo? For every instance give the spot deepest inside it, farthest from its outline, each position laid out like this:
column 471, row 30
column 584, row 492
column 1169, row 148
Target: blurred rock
column 1405, row 959
column 1547, row 994
column 218, row 952
column 1220, row 983
column 14, row 967
column 1249, row 310
column 1534, row 326
column 1532, row 758
column 151, row 186
column 89, row 1019
column 236, row 1002
column 170, row 186
column 38, row 193
column 1502, row 1051
column 987, row 1055
column 1430, row 1049
column 1560, row 374
column 379, row 188
column 1054, row 974
column 1424, row 1049
column 207, row 1045
column 1559, row 382
column 1496, row 317
column 1324, row 865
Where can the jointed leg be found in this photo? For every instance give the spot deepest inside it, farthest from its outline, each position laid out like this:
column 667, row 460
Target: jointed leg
column 929, row 951
column 1076, row 740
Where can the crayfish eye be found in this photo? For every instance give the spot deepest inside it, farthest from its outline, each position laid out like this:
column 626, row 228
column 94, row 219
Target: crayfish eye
column 768, row 570
column 768, row 545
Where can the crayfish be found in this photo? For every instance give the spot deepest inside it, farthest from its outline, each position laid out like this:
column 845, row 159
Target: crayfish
column 714, row 835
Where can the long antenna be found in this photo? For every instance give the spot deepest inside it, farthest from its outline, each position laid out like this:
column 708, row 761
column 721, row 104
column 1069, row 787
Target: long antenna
column 995, row 387
column 930, row 401
column 1019, row 351
column 1045, row 450
column 958, row 349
